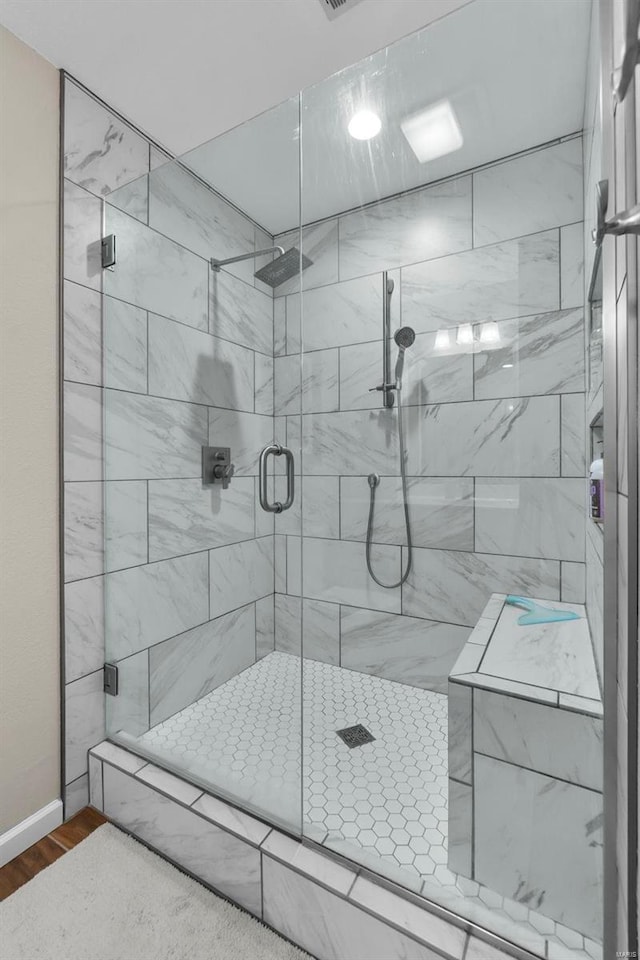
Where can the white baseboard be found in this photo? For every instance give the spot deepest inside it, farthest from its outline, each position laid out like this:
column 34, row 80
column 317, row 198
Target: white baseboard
column 16, row 840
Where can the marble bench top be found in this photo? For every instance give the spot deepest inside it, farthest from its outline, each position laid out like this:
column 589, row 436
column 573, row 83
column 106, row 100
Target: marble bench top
column 548, row 662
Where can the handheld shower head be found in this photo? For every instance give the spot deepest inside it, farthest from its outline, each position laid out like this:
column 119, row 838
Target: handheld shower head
column 404, row 337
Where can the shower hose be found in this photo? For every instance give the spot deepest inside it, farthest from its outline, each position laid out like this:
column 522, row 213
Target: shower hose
column 374, row 480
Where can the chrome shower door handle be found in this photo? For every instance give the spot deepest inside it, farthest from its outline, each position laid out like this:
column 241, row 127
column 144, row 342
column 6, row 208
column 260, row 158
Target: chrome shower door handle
column 277, row 450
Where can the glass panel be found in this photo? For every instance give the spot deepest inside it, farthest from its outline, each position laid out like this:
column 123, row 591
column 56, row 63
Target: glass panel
column 442, row 190
column 189, row 346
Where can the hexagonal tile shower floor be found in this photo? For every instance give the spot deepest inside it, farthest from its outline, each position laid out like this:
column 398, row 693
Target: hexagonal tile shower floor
column 383, row 803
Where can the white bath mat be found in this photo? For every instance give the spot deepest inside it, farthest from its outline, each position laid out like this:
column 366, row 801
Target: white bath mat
column 109, row 898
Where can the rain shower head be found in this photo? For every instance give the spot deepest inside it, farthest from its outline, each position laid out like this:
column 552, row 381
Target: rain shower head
column 283, row 267
column 404, row 337
column 275, row 272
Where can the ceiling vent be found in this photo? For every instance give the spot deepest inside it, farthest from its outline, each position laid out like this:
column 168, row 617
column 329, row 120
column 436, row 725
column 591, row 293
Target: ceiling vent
column 333, row 8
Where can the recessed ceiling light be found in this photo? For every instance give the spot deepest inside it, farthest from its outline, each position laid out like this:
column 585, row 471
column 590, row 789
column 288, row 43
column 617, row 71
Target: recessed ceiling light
column 364, row 125
column 433, row 132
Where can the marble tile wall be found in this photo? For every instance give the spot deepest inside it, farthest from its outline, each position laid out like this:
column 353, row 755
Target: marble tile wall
column 171, row 579
column 495, row 429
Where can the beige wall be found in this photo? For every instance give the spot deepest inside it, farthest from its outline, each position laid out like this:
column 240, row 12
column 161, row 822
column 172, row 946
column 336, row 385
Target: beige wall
column 29, row 567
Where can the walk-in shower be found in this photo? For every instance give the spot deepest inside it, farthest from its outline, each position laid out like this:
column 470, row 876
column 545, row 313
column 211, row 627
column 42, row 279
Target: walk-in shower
column 248, row 637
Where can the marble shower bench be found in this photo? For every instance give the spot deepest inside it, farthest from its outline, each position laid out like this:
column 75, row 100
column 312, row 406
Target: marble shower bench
column 525, row 764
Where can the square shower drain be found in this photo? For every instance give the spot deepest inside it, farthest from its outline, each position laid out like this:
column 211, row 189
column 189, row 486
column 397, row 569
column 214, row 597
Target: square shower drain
column 355, row 736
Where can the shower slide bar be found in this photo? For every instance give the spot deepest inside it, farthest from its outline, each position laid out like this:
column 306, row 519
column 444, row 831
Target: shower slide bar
column 276, row 450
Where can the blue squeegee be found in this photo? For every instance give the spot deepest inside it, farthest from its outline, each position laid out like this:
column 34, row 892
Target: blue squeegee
column 537, row 613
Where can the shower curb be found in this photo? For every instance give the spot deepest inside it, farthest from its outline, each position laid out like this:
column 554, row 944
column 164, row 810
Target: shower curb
column 323, row 903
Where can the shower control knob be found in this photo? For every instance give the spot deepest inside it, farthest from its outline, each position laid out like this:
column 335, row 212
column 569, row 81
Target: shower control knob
column 224, row 472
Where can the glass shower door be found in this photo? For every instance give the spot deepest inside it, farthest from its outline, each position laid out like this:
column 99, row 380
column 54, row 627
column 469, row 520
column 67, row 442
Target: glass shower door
column 197, row 469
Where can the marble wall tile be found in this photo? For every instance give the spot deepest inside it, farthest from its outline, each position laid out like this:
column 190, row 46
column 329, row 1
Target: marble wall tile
column 572, row 582
column 287, row 374
column 245, row 433
column 539, row 840
column 288, row 624
column 151, row 603
column 294, row 324
column 418, row 226
column 230, row 818
column 280, row 563
column 185, row 517
column 572, row 266
column 239, row 574
column 129, row 711
column 321, row 631
column 448, row 585
column 559, row 743
column 186, row 364
column 125, row 524
column 82, row 237
column 493, row 437
column 263, row 400
column 101, row 152
column 460, row 841
column 335, row 571
column 125, row 346
column 190, row 665
column 408, row 650
column 320, row 383
column 320, row 244
column 76, row 796
column 82, row 334
column 546, row 353
column 265, row 626
column 240, row 313
column 544, row 517
column 460, row 705
column 132, row 198
column 328, row 926
column 540, row 190
column 441, row 511
column 310, row 628
column 225, row 862
column 294, row 565
column 83, row 530
column 82, row 432
column 572, row 433
column 84, row 627
column 149, row 437
column 184, row 209
column 155, row 273
column 84, row 721
column 279, row 327
column 355, row 442
column 320, row 507
column 513, row 279
column 429, row 377
column 340, row 314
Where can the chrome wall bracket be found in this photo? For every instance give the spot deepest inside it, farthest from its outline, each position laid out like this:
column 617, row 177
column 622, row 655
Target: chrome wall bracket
column 622, row 77
column 627, row 222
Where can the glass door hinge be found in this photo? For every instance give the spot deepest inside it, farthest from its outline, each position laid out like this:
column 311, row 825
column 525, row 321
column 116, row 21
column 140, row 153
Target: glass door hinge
column 108, row 247
column 111, row 679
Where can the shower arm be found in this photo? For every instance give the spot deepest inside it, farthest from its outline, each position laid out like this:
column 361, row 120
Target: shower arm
column 216, row 264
